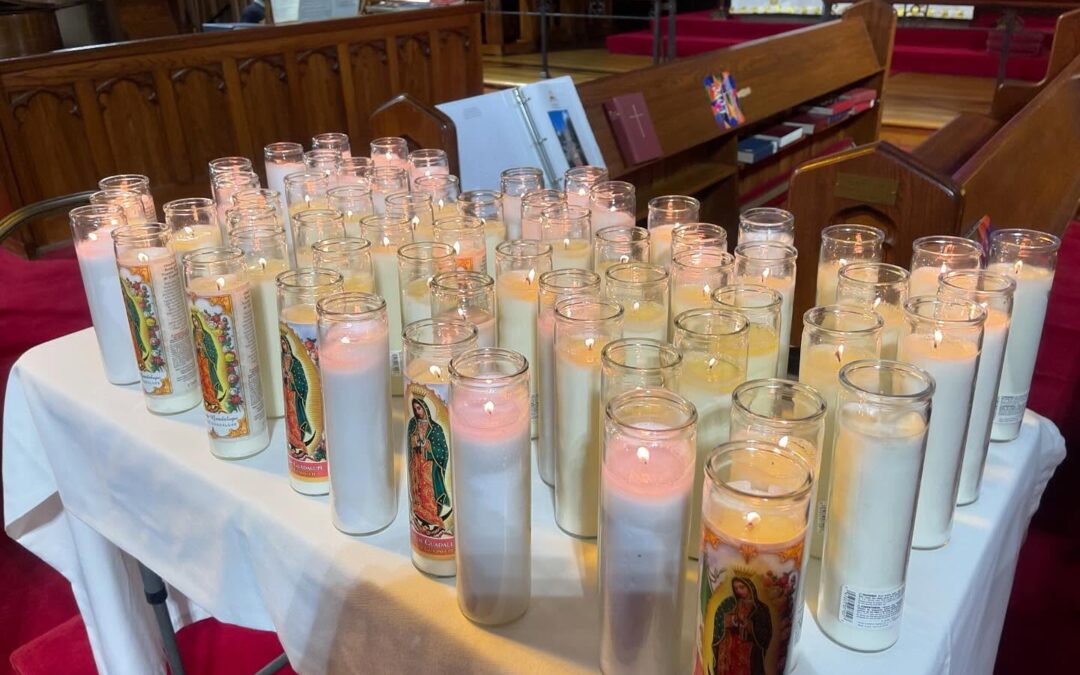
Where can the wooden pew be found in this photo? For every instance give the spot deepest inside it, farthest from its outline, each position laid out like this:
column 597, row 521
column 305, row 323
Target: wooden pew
column 780, row 73
column 164, row 107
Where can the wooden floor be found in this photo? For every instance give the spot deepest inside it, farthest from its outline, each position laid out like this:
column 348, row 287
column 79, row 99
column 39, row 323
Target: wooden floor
column 914, row 105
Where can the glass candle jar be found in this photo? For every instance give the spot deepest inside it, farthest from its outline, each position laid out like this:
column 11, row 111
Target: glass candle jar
column 130, row 203
column 466, row 235
column 265, row 257
column 489, row 436
column 533, row 204
column 427, row 162
column 883, row 410
column 354, row 171
column 994, row 293
column 429, row 346
column 612, row 202
column 348, row 256
column 91, row 230
column 761, row 306
column 323, row 160
column 579, row 180
column 258, row 197
column 643, row 291
column 1030, row 258
column 619, row 244
column 279, row 160
column 385, row 181
column 520, row 264
column 418, row 263
column 133, row 182
column 229, row 165
column 313, row 226
column 469, row 297
column 513, row 184
column 153, row 292
column 694, row 277
column 332, row 140
column 832, row 337
column 566, row 228
column 645, row 497
column 583, row 327
column 771, row 264
column 842, row 245
column 756, row 512
column 226, row 351
column 387, row 234
column 638, row 363
column 692, row 236
column 252, row 216
column 355, row 373
column 714, row 344
column 191, row 225
column 390, row 151
column 487, row 206
column 665, row 214
column 935, row 255
column 943, row 337
column 555, row 285
column 303, row 190
column 225, row 185
column 765, row 223
column 305, row 431
column 444, row 191
column 880, row 287
column 416, row 208
column 353, row 202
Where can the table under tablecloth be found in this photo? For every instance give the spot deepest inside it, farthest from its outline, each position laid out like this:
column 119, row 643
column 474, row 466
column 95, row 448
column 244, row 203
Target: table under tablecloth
column 92, row 481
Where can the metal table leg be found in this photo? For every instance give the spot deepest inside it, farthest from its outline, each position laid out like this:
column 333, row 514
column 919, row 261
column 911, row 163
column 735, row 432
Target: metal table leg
column 154, row 589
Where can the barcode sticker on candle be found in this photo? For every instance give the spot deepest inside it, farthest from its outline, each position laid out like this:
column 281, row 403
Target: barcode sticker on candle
column 395, row 363
column 871, row 610
column 534, row 407
column 1010, row 409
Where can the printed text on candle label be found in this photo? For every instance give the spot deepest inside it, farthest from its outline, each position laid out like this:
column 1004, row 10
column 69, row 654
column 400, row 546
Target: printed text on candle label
column 871, row 610
column 1010, row 409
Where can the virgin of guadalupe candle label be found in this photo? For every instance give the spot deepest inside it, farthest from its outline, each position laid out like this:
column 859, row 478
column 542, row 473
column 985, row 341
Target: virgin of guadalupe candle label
column 303, row 400
column 228, row 373
column 747, row 606
column 158, row 322
column 431, row 521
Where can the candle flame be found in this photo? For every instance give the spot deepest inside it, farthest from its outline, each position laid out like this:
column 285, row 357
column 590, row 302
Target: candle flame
column 765, row 275
column 712, row 362
column 307, row 200
column 435, row 371
column 462, row 312
column 938, row 337
column 143, row 257
column 783, row 442
column 415, row 221
column 877, row 302
column 489, row 407
column 1018, row 266
column 220, row 283
column 262, row 264
column 589, row 342
column 188, row 231
column 842, row 262
column 92, row 236
column 705, row 290
column 385, row 240
column 637, row 305
column 441, row 203
column 643, row 454
column 348, row 213
column 531, row 276
column 624, row 258
column 457, row 248
column 581, row 192
column 752, row 518
column 839, row 353
column 345, row 340
column 944, row 268
column 565, row 244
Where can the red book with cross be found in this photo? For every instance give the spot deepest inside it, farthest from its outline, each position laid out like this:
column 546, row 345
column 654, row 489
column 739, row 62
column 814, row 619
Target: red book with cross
column 633, row 128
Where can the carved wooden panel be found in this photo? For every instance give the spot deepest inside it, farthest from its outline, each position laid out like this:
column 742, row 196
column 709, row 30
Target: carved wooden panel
column 265, row 92
column 453, row 64
column 51, row 131
column 201, row 101
column 320, row 79
column 414, row 59
column 371, row 81
column 135, row 126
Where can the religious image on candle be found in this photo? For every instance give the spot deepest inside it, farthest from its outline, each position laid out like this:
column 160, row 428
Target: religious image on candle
column 427, row 441
column 137, row 285
column 303, row 398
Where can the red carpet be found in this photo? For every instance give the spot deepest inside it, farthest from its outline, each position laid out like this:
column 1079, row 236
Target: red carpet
column 948, row 51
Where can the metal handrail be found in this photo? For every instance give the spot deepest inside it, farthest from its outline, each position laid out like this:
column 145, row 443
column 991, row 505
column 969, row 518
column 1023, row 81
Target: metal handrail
column 10, row 223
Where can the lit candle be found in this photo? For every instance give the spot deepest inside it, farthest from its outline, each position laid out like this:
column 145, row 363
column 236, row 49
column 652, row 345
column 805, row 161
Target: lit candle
column 1029, row 257
column 645, row 504
column 761, row 306
column 567, row 229
column 468, row 297
column 390, row 151
column 513, row 183
column 578, row 180
column 613, row 204
column 417, row 208
column 137, row 184
column 466, row 234
column 841, row 245
column 520, row 264
column 303, row 190
column 489, row 435
column 225, row 185
column 533, row 204
column 695, row 275
column 226, row 352
column 713, row 343
column 349, row 256
column 429, row 345
column 91, row 229
column 881, row 288
column 617, row 245
column 487, row 206
column 153, row 294
column 354, row 204
column 880, row 445
column 642, row 290
column 933, row 256
column 943, row 337
column 771, row 264
column 767, row 224
column 755, row 514
column 312, row 226
column 638, row 363
column 833, row 337
column 305, row 437
column 665, row 214
column 583, row 326
column 427, row 162
column 695, row 236
column 332, row 140
column 444, row 190
column 418, row 263
column 386, row 181
column 387, row 234
column 132, row 204
column 282, row 159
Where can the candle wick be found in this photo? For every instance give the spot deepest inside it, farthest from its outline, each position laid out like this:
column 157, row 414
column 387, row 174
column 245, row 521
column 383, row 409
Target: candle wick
column 262, row 264
column 220, row 283
column 938, row 337
column 643, row 454
column 589, row 342
column 489, row 407
column 839, row 353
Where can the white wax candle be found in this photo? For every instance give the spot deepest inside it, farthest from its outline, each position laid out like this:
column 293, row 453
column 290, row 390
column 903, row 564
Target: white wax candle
column 1025, row 333
column 660, row 245
column 693, row 295
column 415, row 301
column 924, row 280
column 227, row 354
column 356, row 395
column 357, row 282
column 97, row 264
column 893, row 317
column 952, row 362
column 276, row 172
column 579, row 197
column 421, row 171
column 995, row 335
column 384, row 264
column 644, row 512
column 578, row 435
column 875, row 480
column 490, row 447
column 494, row 234
column 785, row 286
column 646, row 319
column 828, row 275
column 763, row 354
column 779, row 236
column 571, row 254
column 545, row 389
column 302, row 384
column 601, row 218
column 160, row 329
column 516, row 293
column 192, row 238
column 707, row 382
column 511, row 206
column 486, row 327
column 263, row 278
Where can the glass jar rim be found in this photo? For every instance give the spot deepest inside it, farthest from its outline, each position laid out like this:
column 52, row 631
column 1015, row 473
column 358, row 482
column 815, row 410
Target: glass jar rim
column 386, row 222
column 330, row 136
column 671, row 399
column 543, row 196
column 926, row 392
column 767, row 218
column 1006, row 285
column 428, row 153
column 914, row 308
column 213, row 256
column 850, row 271
column 283, row 150
column 256, row 232
column 390, row 141
column 346, row 245
column 818, row 406
column 306, row 175
column 415, row 332
column 723, row 451
column 667, row 355
column 458, row 223
column 480, row 197
column 141, row 233
column 684, row 322
column 460, row 364
column 746, row 250
column 91, row 214
column 549, row 280
column 355, row 190
column 713, row 259
column 1027, row 242
column 565, row 309
column 586, row 170
column 930, row 243
column 137, row 178
column 521, row 172
column 388, row 174
column 679, row 202
column 775, row 299
column 426, row 251
column 842, row 233
column 696, row 228
column 653, row 274
column 564, row 211
column 468, row 282
column 622, row 234
column 345, row 305
column 234, row 178
column 318, row 215
column 813, row 316
column 308, row 278
column 408, row 198
column 612, row 189
column 522, row 249
column 229, row 162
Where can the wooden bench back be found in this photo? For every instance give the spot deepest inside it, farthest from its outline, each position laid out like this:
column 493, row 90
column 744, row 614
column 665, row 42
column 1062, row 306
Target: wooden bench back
column 422, row 126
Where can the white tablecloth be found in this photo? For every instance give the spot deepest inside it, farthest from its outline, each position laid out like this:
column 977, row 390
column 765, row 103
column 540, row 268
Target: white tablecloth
column 91, row 478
